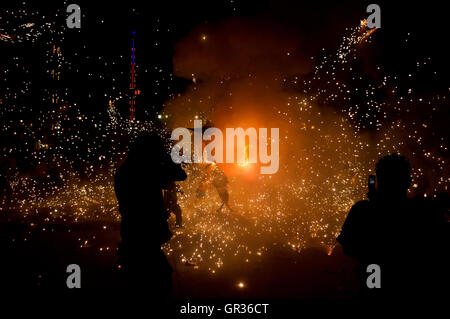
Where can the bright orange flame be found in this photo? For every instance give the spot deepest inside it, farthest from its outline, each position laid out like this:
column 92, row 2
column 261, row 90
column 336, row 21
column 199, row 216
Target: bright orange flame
column 246, row 162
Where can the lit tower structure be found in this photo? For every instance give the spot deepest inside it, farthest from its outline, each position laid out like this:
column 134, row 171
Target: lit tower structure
column 133, row 91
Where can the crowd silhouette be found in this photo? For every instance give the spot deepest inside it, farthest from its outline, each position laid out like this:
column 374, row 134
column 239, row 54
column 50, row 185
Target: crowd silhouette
column 406, row 237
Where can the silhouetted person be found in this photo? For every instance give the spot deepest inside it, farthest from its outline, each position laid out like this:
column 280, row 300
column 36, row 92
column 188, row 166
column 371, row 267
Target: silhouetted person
column 405, row 237
column 220, row 182
column 171, row 203
column 139, row 182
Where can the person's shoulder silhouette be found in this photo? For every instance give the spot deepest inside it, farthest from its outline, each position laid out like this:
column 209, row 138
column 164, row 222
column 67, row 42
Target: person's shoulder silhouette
column 355, row 228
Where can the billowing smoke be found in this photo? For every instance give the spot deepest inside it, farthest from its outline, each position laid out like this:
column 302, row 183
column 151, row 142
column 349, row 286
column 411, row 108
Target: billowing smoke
column 334, row 113
column 240, row 70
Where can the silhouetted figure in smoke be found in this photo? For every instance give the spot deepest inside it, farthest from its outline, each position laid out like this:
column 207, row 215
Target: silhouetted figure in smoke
column 220, row 182
column 138, row 184
column 405, row 237
column 171, row 203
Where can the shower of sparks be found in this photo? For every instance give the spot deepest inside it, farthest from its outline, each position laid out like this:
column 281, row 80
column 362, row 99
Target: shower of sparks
column 307, row 209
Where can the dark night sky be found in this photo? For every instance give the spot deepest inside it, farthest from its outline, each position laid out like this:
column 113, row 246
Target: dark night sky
column 105, row 36
column 106, row 29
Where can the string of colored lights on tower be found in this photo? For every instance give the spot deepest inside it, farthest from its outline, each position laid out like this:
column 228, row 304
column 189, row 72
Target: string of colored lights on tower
column 133, row 90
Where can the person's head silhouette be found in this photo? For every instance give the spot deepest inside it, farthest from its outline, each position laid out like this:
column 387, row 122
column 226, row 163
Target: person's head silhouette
column 393, row 176
column 147, row 149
